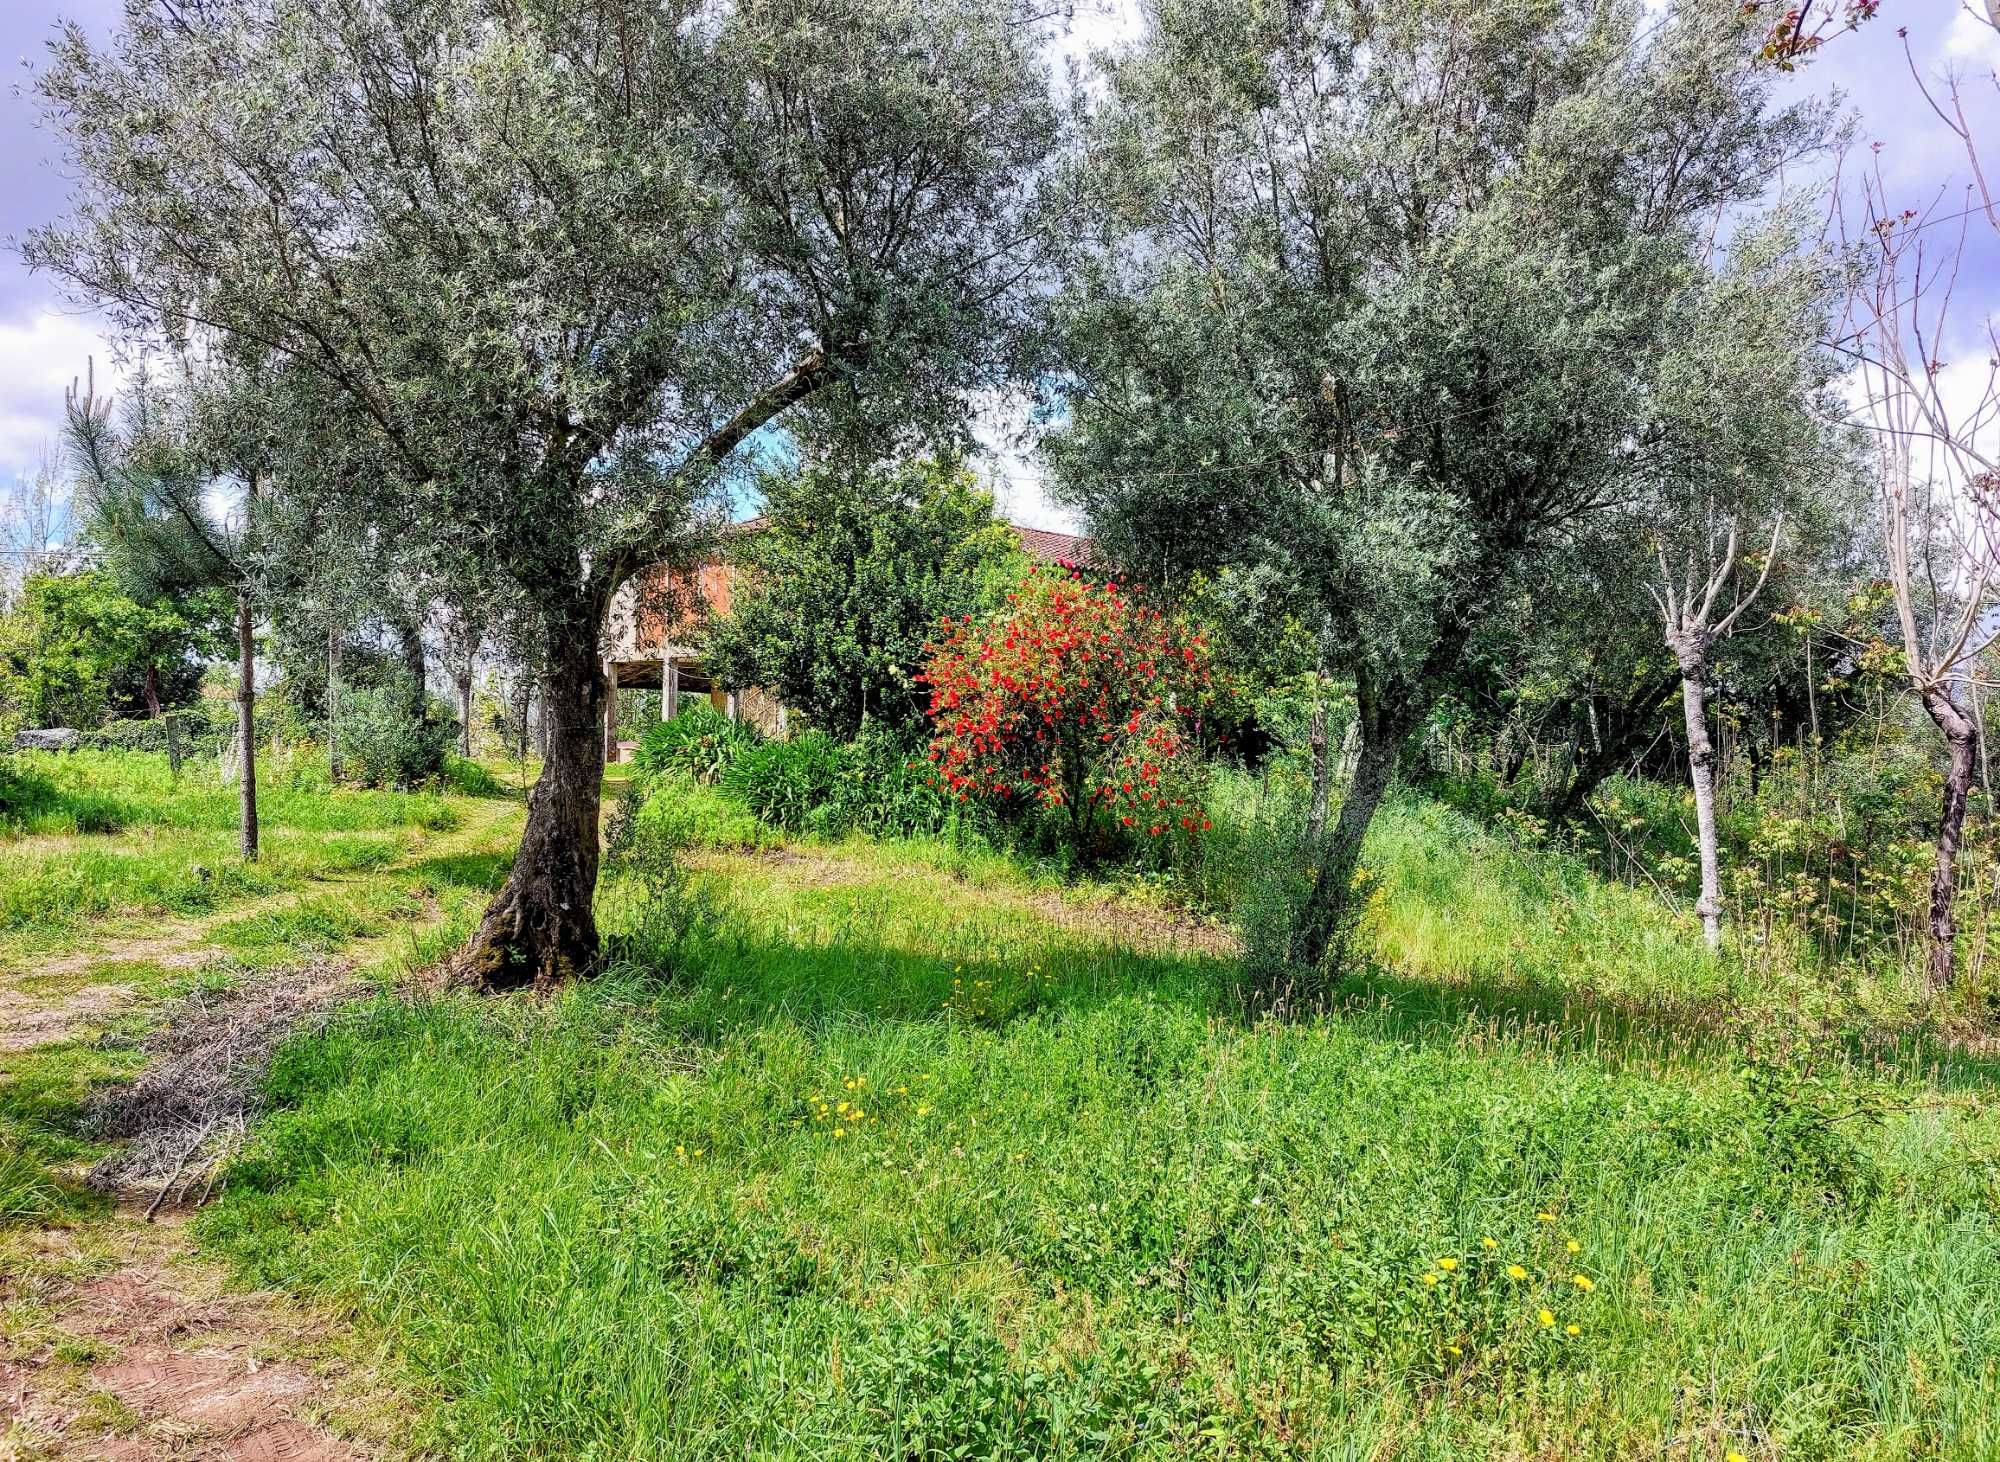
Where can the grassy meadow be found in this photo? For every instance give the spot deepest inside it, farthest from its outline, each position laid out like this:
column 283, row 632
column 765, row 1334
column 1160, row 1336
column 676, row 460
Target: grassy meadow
column 913, row 1149
column 906, row 1152
column 121, row 890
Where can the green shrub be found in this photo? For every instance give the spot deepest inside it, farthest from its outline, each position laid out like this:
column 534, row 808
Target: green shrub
column 700, row 743
column 383, row 745
column 790, row 784
column 875, row 784
column 885, row 789
column 195, row 732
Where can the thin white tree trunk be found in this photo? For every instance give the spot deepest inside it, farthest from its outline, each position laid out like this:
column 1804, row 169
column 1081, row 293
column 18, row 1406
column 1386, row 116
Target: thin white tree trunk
column 1701, row 776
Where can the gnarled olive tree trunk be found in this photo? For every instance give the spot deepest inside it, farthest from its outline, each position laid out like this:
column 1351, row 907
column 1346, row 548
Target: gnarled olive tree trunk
column 1327, row 918
column 246, row 726
column 541, row 928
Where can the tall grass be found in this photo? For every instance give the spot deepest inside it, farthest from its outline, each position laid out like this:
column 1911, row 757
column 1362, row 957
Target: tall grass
column 890, row 1164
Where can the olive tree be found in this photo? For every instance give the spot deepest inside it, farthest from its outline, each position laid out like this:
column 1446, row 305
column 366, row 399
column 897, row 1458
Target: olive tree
column 552, row 265
column 1379, row 296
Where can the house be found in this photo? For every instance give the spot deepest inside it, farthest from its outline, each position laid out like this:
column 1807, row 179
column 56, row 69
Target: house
column 653, row 636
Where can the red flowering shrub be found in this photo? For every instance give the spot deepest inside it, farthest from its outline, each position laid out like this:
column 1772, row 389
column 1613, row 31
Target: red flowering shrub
column 1078, row 697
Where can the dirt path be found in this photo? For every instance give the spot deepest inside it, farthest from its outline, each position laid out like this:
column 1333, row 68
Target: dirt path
column 47, row 999
column 128, row 1350
column 116, row 1341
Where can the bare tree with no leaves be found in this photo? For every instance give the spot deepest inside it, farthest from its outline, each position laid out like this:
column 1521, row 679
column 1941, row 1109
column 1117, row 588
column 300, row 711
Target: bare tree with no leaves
column 1688, row 614
column 1935, row 420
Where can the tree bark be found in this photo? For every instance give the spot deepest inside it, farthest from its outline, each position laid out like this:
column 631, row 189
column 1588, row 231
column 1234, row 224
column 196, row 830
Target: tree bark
column 1322, row 774
column 465, row 713
column 541, row 928
column 332, row 704
column 1691, row 654
column 1328, row 916
column 1961, row 739
column 416, row 668
column 152, row 688
column 246, row 725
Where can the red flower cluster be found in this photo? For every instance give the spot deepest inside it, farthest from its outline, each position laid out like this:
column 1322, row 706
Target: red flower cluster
column 1075, row 695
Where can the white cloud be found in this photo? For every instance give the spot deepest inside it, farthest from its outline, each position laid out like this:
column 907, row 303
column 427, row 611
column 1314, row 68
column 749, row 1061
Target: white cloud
column 1007, row 434
column 1973, row 39
column 38, row 360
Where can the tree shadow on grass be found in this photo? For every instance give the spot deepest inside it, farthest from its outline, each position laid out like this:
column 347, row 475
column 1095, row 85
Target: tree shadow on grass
column 733, row 978
column 1650, row 1031
column 463, row 870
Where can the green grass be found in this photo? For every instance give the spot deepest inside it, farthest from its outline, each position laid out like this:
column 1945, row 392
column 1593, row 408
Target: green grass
column 1088, row 1210
column 114, row 834
column 167, row 868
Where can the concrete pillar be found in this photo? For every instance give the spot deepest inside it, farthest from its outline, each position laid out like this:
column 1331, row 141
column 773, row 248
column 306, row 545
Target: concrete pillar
column 610, row 710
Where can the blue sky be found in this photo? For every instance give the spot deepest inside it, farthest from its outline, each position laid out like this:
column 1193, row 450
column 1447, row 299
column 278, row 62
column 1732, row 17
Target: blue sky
column 45, row 342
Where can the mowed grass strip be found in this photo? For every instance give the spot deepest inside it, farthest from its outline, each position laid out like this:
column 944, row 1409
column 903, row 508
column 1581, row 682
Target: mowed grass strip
column 888, row 1165
column 153, row 846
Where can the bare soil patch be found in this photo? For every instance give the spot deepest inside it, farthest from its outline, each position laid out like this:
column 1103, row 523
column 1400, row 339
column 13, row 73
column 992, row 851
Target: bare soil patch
column 173, row 1367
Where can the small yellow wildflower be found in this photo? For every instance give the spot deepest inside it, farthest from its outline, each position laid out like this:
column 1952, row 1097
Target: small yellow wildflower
column 1583, row 1282
column 1546, row 1217
column 1572, row 1329
column 1430, row 1278
column 1574, row 1247
column 1447, row 1264
column 840, row 1132
column 1453, row 1350
column 1515, row 1271
column 1545, row 1317
column 1737, row 1457
column 1489, row 1243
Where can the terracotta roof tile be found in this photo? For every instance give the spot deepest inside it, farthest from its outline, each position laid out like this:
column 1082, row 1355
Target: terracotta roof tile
column 1045, row 545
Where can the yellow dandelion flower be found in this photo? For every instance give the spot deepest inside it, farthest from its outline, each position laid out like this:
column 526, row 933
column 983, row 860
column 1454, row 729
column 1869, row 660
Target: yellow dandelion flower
column 1430, row 1278
column 1515, row 1271
column 1453, row 1350
column 1583, row 1282
column 1489, row 1243
column 1447, row 1265
column 1546, row 1217
column 1572, row 1329
column 840, row 1132
column 1545, row 1317
column 1737, row 1457
column 1574, row 1247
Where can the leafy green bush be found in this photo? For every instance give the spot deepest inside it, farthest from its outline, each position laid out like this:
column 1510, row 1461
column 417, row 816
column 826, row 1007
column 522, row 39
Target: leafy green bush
column 383, row 745
column 883, row 788
column 790, row 784
column 874, row 784
column 700, row 742
column 195, row 732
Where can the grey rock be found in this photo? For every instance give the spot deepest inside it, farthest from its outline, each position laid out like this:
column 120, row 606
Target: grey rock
column 56, row 738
